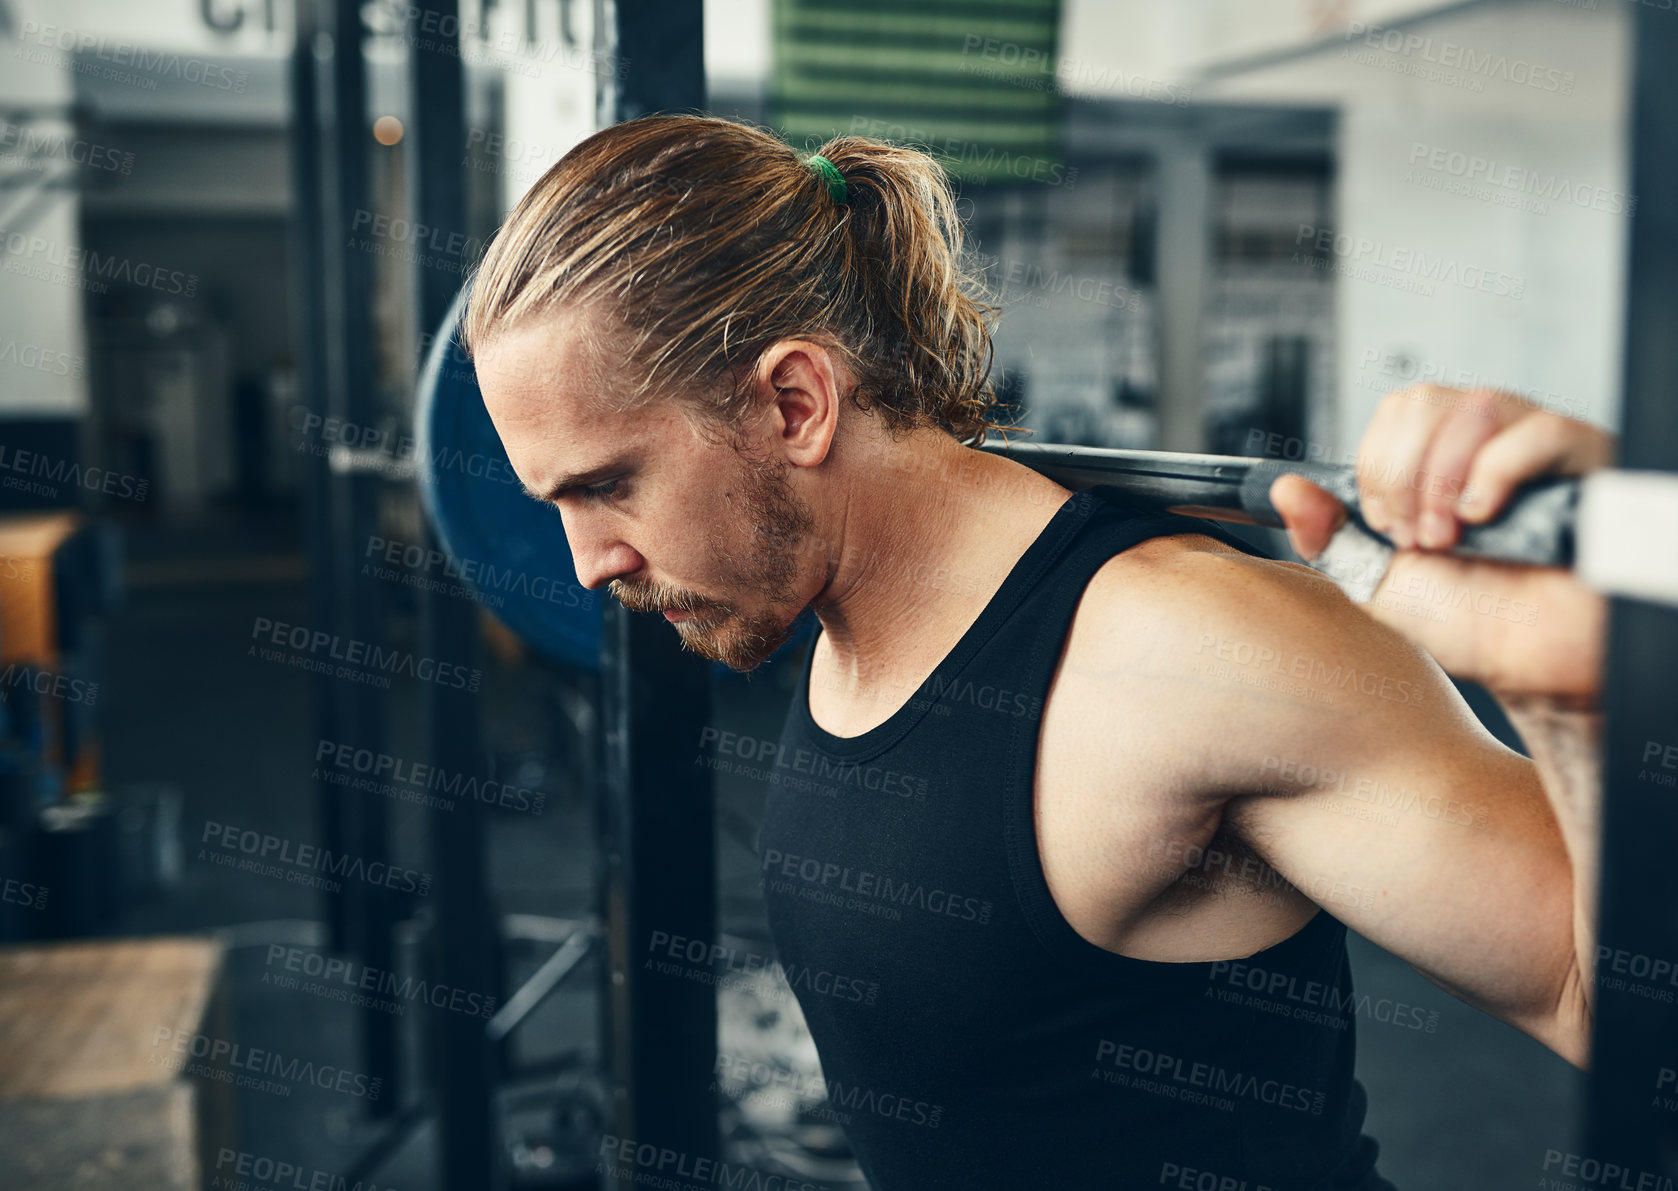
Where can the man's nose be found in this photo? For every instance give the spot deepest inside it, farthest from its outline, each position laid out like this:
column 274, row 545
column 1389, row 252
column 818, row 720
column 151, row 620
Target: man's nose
column 600, row 558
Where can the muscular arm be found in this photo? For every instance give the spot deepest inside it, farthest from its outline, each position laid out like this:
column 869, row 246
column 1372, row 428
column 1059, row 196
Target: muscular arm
column 1567, row 746
column 1346, row 759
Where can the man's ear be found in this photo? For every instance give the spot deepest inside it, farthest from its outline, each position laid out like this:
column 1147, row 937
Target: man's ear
column 801, row 385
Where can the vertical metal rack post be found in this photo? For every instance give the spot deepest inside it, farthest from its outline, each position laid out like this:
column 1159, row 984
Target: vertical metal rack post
column 1636, row 1036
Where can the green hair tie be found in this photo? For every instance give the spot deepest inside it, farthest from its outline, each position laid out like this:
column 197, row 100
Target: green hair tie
column 830, row 173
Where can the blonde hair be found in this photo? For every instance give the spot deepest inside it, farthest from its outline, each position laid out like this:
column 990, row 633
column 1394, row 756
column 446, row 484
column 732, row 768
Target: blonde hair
column 703, row 241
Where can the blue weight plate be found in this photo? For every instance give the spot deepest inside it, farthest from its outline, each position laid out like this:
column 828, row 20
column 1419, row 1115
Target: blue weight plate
column 509, row 548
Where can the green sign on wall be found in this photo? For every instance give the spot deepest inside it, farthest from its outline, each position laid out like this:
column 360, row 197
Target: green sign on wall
column 972, row 81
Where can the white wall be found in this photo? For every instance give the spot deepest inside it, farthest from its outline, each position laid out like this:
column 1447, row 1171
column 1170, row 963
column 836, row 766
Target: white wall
column 239, row 26
column 550, row 98
column 1105, row 44
column 737, row 45
column 550, row 101
column 43, row 370
column 41, row 275
column 1479, row 171
column 1559, row 341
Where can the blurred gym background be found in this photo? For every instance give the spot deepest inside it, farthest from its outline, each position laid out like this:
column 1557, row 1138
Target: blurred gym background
column 228, row 232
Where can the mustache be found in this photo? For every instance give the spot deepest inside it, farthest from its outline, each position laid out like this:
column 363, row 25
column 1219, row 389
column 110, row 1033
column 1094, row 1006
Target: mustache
column 655, row 598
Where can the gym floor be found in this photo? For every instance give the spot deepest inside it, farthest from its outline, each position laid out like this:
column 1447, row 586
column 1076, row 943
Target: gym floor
column 1462, row 1102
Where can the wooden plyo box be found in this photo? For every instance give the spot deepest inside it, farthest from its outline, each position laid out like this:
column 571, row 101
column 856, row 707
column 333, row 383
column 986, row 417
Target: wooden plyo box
column 27, row 592
column 92, row 1096
column 29, row 629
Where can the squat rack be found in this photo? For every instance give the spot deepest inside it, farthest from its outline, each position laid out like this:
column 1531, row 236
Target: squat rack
column 655, row 815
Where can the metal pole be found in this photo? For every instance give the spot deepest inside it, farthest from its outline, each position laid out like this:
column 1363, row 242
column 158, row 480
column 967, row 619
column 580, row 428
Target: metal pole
column 1185, row 253
column 1627, row 1120
column 656, row 812
column 308, row 285
column 463, row 951
column 657, row 845
column 371, row 911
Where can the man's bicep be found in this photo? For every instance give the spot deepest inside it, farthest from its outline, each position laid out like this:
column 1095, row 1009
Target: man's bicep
column 1361, row 776
column 1454, row 867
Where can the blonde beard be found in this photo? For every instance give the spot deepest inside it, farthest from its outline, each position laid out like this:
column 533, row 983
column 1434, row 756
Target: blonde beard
column 780, row 523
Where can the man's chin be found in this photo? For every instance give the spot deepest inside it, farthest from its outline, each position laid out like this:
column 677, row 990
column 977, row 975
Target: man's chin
column 741, row 650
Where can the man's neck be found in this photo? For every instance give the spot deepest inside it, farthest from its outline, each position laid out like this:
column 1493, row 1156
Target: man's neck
column 925, row 534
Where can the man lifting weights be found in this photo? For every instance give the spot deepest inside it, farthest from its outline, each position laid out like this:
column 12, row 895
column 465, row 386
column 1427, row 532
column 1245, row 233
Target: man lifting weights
column 750, row 382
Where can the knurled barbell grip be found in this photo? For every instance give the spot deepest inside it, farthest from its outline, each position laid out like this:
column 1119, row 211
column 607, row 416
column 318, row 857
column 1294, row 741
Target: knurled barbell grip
column 1536, row 527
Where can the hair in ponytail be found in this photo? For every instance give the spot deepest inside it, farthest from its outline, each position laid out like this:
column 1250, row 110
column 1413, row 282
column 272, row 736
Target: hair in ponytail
column 704, row 241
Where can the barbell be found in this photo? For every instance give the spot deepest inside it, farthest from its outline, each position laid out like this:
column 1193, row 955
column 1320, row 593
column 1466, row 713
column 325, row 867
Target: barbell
column 1618, row 530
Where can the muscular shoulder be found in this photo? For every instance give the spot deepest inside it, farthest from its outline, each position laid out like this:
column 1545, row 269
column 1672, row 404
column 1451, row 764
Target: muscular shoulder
column 1135, row 771
column 1164, row 592
column 1219, row 652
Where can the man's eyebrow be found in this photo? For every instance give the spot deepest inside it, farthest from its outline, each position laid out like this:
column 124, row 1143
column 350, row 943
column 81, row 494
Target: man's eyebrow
column 565, row 483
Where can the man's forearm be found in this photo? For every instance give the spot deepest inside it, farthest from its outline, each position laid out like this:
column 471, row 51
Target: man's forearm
column 1566, row 746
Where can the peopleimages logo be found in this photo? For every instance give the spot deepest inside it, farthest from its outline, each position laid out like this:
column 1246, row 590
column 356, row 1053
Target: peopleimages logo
column 303, row 860
column 347, row 979
column 971, row 154
column 221, row 1055
column 1475, row 170
column 361, row 659
column 273, row 1175
column 1311, row 1001
column 319, row 435
column 1163, row 1074
column 987, row 698
column 1404, row 263
column 713, row 962
column 1592, row 1174
column 1016, row 279
column 1380, row 794
column 486, row 580
column 874, row 893
column 63, row 471
column 45, row 682
column 770, row 761
column 22, row 893
column 347, row 759
column 161, row 63
column 648, row 1165
column 1463, row 60
column 838, row 1100
column 35, row 251
column 40, row 359
column 1032, row 68
column 1265, row 658
column 1190, row 1178
column 36, row 148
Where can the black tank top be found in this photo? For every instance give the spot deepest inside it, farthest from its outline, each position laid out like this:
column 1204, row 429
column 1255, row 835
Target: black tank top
column 969, row 1036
